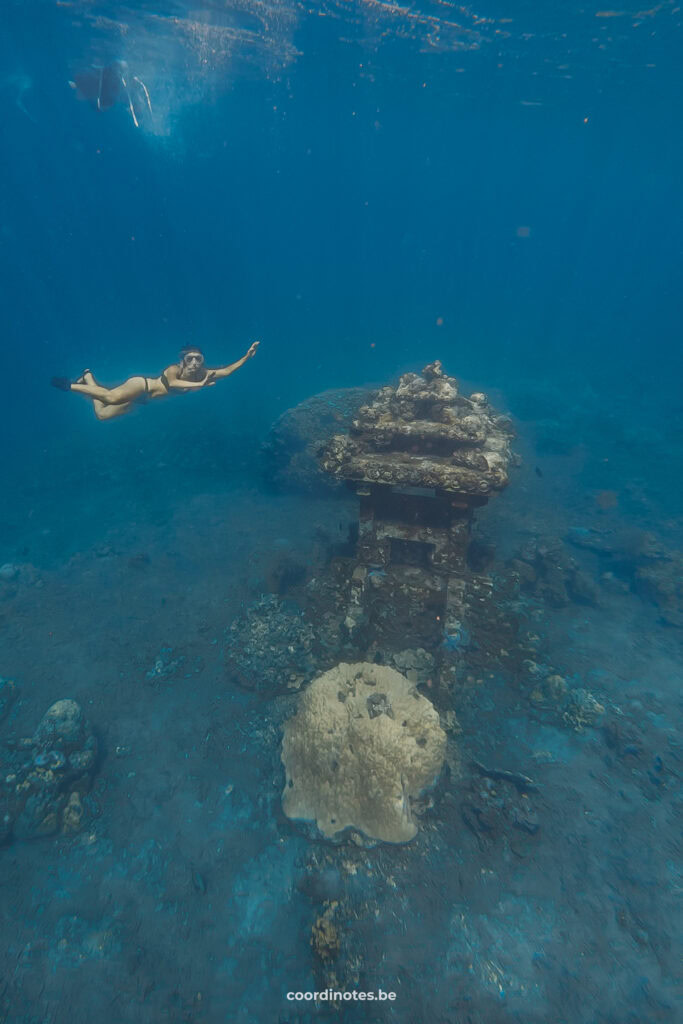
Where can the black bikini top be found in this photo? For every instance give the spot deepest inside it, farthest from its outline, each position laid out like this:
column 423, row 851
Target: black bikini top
column 164, row 380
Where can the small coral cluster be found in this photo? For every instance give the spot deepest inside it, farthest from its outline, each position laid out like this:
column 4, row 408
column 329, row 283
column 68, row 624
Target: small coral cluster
column 45, row 777
column 362, row 745
column 577, row 707
column 325, row 939
column 581, row 710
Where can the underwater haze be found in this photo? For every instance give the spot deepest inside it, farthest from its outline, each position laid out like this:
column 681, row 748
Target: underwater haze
column 365, row 188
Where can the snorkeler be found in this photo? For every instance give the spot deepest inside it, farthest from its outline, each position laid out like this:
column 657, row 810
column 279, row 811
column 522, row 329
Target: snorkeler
column 104, row 86
column 189, row 373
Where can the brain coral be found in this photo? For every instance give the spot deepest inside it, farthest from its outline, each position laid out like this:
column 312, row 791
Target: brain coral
column 362, row 743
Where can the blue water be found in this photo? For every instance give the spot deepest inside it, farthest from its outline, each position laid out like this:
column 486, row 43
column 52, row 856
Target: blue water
column 363, row 187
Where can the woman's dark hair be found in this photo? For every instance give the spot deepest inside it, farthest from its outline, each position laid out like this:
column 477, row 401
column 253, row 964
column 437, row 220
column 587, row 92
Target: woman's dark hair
column 190, row 348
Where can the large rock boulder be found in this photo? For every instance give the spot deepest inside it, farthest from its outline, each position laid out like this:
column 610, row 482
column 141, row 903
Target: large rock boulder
column 290, row 450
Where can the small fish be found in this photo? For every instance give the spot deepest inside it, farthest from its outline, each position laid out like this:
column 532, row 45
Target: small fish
column 521, row 782
column 606, row 500
column 198, row 880
column 538, row 471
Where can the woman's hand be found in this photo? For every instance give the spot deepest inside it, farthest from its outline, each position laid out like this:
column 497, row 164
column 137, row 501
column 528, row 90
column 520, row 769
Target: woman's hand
column 252, row 350
column 210, row 379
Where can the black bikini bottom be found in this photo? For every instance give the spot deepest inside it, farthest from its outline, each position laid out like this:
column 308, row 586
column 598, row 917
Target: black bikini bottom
column 144, row 397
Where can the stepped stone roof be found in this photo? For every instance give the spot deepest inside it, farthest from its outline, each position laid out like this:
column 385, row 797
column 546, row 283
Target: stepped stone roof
column 425, row 434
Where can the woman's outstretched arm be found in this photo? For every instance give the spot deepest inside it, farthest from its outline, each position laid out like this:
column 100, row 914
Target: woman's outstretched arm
column 225, row 371
column 182, row 385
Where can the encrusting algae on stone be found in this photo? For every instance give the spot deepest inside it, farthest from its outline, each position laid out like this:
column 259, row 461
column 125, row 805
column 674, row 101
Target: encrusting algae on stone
column 424, row 433
column 361, row 746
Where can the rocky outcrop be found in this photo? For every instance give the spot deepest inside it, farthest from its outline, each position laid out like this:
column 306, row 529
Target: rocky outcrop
column 45, row 777
column 289, row 453
column 546, row 570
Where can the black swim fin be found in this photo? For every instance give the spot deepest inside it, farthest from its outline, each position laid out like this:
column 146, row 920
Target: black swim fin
column 62, row 383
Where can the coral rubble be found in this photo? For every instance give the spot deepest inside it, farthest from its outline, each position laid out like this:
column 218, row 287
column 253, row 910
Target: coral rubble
column 497, row 805
column 269, row 647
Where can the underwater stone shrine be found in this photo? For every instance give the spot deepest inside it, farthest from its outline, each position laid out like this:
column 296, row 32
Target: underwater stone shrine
column 421, row 457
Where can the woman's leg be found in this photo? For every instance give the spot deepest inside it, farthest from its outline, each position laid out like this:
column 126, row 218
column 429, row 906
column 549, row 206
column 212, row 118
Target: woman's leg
column 110, row 412
column 124, row 394
column 102, row 411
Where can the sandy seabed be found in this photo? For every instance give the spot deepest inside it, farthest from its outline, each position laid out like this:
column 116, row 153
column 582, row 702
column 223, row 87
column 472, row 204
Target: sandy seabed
column 183, row 897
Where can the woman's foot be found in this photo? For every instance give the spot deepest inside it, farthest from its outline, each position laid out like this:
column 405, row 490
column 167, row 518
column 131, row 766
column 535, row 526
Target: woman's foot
column 85, row 378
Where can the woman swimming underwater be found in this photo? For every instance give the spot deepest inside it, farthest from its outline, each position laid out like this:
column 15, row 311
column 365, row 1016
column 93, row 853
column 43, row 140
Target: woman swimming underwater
column 189, row 373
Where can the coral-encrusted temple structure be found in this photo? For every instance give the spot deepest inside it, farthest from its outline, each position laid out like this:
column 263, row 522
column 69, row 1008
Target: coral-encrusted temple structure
column 421, row 458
